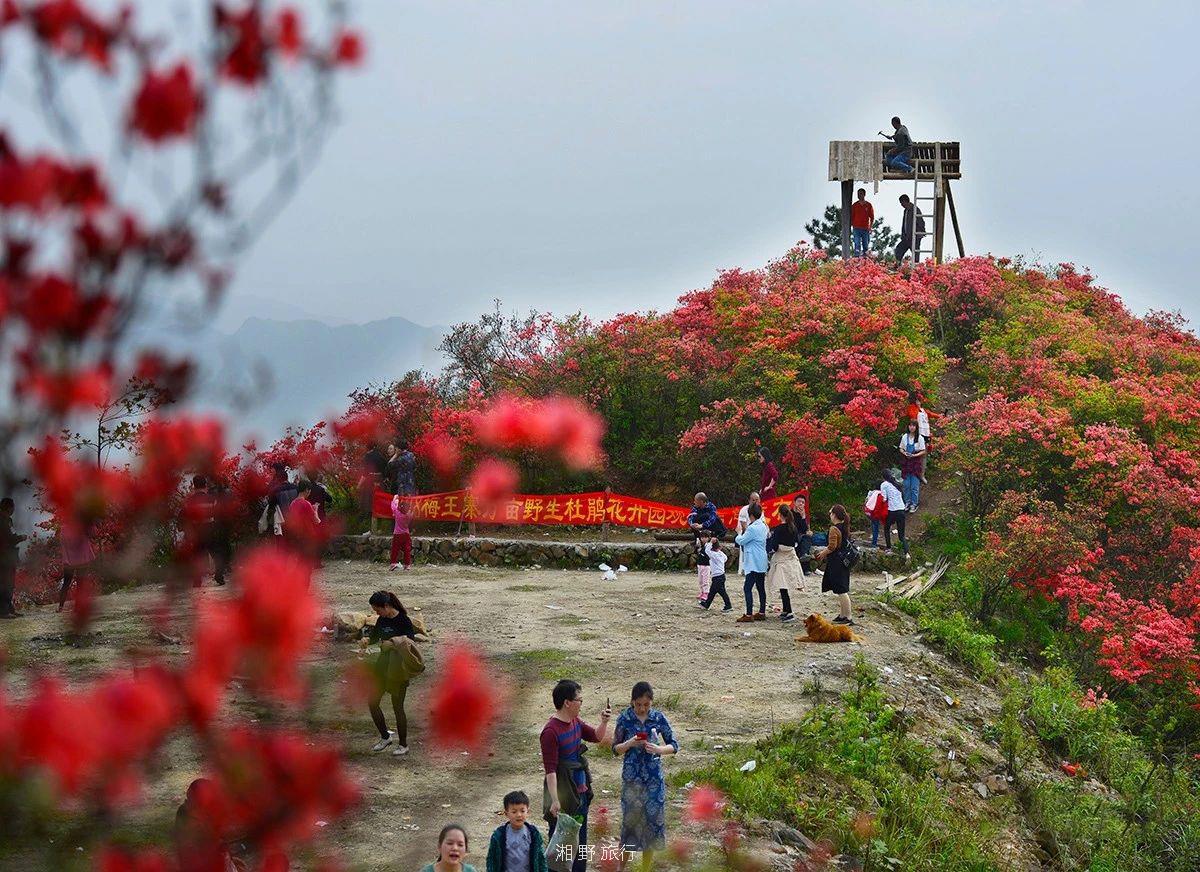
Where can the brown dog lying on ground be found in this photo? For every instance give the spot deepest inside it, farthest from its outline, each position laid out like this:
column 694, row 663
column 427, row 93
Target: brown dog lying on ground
column 820, row 630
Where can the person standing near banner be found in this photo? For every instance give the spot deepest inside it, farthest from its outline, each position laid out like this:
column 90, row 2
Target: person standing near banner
column 770, row 475
column 743, row 523
column 754, row 550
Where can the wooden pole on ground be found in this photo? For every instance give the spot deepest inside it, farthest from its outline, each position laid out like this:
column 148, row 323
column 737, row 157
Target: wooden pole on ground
column 605, row 527
column 954, row 218
column 847, row 200
column 939, row 220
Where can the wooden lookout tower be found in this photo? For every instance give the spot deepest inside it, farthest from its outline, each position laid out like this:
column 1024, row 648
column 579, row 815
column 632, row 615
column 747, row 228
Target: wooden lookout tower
column 935, row 165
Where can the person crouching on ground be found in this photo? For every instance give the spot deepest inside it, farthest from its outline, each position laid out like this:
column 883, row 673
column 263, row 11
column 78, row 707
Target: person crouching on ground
column 716, row 564
column 754, row 553
column 401, row 536
column 452, row 851
column 391, row 628
column 516, row 846
column 785, row 572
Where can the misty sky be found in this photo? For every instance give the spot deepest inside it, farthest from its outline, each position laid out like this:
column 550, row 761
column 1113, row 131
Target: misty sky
column 611, row 155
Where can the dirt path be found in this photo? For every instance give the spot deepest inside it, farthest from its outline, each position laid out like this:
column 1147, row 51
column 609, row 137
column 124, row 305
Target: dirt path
column 720, row 683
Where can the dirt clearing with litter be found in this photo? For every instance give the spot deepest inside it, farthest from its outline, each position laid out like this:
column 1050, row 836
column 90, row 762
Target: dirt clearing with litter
column 720, row 683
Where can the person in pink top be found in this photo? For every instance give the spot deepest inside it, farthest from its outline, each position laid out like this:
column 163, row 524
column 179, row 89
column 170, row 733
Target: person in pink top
column 77, row 554
column 401, row 537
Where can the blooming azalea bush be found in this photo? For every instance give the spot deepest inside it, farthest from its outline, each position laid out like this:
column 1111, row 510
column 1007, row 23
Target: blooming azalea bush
column 811, row 360
column 152, row 202
column 1091, row 414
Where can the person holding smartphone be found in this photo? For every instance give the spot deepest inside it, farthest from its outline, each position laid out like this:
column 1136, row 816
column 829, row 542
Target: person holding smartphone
column 644, row 736
column 568, row 788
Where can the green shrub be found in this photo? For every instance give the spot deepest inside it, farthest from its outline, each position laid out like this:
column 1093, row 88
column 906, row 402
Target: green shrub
column 1151, row 818
column 841, row 761
column 957, row 636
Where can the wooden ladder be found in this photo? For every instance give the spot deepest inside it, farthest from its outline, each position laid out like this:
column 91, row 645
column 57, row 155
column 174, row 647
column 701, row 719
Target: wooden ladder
column 932, row 167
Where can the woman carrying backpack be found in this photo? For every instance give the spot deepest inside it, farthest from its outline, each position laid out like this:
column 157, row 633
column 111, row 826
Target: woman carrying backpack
column 839, row 556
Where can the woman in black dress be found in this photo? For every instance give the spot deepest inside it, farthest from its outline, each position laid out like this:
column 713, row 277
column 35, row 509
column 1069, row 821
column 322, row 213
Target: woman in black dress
column 837, row 574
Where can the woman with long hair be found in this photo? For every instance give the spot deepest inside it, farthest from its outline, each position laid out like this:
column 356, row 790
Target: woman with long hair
column 837, row 570
column 392, row 627
column 912, row 463
column 784, row 572
column 769, row 477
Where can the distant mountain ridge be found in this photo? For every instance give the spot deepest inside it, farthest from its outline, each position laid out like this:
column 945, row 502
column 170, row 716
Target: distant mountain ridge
column 270, row 374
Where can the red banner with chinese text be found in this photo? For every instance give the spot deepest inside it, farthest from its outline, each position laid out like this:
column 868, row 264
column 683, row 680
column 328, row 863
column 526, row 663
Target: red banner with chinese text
column 586, row 509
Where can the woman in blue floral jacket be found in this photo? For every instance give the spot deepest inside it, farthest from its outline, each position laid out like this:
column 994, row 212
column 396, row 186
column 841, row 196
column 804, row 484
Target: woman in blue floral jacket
column 644, row 736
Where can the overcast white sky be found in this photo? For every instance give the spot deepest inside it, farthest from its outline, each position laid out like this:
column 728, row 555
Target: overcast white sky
column 608, row 156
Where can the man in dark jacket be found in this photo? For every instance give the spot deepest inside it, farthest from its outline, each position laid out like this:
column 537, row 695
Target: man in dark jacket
column 907, row 241
column 703, row 517
column 516, row 846
column 897, row 156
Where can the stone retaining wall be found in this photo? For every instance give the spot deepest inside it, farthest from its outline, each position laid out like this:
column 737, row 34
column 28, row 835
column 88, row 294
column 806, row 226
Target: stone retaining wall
column 485, row 551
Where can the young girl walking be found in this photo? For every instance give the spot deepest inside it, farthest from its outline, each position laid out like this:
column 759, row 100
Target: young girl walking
column 401, row 537
column 703, row 567
column 77, row 556
column 716, row 586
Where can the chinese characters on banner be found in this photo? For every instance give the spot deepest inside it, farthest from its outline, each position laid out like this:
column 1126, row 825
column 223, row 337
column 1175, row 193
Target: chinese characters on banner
column 582, row 510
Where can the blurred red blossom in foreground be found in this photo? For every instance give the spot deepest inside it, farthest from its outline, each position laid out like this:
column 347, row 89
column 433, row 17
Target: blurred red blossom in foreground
column 464, row 701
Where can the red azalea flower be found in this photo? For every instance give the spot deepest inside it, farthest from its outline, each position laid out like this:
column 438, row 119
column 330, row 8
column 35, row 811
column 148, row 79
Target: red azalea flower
column 706, row 804
column 493, row 482
column 289, row 33
column 27, row 184
column 463, row 702
column 348, row 48
column 166, row 104
column 246, row 58
column 123, row 860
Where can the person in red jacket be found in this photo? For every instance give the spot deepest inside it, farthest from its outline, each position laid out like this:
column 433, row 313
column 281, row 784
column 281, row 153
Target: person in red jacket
column 302, row 525
column 862, row 216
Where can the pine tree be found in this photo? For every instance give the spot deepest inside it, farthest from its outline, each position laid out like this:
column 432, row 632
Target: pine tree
column 826, row 233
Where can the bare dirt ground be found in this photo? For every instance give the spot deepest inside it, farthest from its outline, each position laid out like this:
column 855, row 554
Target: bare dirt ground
column 720, row 683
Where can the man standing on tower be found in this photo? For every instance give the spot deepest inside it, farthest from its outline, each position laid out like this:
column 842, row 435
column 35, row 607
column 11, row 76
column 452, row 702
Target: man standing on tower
column 897, row 156
column 862, row 216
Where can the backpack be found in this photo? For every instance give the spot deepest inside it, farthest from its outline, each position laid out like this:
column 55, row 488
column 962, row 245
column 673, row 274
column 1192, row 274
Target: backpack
column 850, row 553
